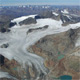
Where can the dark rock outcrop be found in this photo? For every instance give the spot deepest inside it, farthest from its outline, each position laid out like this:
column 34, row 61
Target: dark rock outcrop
column 5, row 27
column 1, row 60
column 28, row 21
column 3, row 30
column 35, row 29
column 69, row 19
column 38, row 17
column 12, row 24
column 4, row 45
column 73, row 34
column 64, row 18
column 46, row 14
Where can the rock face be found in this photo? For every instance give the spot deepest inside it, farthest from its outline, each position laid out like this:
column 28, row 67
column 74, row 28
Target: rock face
column 28, row 21
column 60, row 54
column 12, row 24
column 65, row 18
column 44, row 14
column 4, row 45
column 47, row 14
column 3, row 30
column 15, row 69
column 69, row 19
column 40, row 28
column 73, row 34
column 5, row 27
column 56, row 43
column 1, row 60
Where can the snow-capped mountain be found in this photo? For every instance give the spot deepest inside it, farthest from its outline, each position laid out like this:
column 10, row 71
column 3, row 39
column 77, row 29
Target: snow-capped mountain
column 25, row 31
column 66, row 17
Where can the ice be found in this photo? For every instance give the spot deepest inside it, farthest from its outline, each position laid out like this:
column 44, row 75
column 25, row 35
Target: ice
column 22, row 18
column 55, row 14
column 6, row 75
column 19, row 41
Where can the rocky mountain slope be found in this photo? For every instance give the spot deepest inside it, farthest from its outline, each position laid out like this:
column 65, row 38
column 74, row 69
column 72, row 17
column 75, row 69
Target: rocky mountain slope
column 61, row 55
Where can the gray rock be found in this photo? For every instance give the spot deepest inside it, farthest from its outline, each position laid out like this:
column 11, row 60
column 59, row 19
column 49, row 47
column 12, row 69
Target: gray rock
column 12, row 24
column 35, row 29
column 28, row 21
column 1, row 60
column 58, row 43
column 4, row 45
column 46, row 14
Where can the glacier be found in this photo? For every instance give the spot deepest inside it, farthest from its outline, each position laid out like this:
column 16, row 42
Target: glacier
column 19, row 41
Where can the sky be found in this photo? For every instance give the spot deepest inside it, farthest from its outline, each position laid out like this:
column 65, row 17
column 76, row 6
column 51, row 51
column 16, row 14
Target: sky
column 55, row 2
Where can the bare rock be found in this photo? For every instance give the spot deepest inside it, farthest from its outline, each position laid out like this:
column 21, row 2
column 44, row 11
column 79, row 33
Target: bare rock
column 28, row 21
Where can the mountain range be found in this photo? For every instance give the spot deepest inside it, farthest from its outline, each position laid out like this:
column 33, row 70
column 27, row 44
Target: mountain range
column 42, row 46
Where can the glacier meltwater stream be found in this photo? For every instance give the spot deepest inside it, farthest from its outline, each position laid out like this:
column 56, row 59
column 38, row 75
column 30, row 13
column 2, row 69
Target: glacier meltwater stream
column 19, row 41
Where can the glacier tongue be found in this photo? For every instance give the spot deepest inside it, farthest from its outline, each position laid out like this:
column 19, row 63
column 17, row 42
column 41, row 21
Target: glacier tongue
column 19, row 41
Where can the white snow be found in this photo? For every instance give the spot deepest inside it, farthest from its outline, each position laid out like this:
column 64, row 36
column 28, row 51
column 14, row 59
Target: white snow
column 45, row 7
column 65, row 11
column 22, row 18
column 19, row 41
column 55, row 14
column 69, row 16
column 6, row 75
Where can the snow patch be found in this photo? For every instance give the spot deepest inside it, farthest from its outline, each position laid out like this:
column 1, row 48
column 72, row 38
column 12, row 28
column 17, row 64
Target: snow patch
column 65, row 11
column 55, row 14
column 6, row 75
column 17, row 20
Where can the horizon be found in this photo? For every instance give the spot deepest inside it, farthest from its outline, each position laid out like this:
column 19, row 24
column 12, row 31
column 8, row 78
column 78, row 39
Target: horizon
column 39, row 2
